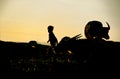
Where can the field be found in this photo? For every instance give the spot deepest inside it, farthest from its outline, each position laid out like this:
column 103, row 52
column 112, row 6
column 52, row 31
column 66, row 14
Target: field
column 28, row 59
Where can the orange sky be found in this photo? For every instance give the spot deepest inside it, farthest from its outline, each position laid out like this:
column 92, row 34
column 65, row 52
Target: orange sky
column 25, row 20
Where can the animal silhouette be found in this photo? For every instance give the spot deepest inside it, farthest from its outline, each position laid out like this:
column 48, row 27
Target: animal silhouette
column 95, row 30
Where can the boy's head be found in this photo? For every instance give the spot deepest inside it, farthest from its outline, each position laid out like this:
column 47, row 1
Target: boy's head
column 50, row 28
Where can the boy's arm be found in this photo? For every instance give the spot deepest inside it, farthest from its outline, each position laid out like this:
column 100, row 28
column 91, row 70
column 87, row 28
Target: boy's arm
column 48, row 41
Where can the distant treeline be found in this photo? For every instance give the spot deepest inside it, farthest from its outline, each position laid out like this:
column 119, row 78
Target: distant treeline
column 95, row 55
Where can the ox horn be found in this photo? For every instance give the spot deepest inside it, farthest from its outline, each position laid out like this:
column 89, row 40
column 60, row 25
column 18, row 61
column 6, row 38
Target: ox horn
column 108, row 25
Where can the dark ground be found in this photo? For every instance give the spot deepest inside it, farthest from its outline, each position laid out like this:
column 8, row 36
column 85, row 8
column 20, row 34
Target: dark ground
column 30, row 60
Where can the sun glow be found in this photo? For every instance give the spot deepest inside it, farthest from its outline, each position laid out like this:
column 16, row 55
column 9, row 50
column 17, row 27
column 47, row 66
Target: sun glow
column 25, row 20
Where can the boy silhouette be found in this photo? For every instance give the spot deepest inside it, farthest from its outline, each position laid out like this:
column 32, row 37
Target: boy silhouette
column 52, row 38
column 53, row 42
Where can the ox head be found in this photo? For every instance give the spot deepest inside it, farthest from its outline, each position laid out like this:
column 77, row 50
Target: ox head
column 106, row 31
column 95, row 30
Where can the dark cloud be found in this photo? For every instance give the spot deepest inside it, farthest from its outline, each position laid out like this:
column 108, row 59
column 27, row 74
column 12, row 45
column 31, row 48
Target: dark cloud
column 114, row 7
column 2, row 3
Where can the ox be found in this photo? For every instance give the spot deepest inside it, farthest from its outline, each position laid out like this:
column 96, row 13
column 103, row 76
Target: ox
column 95, row 30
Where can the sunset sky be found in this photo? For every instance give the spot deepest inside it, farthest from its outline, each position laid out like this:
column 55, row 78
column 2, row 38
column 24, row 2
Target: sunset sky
column 25, row 20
